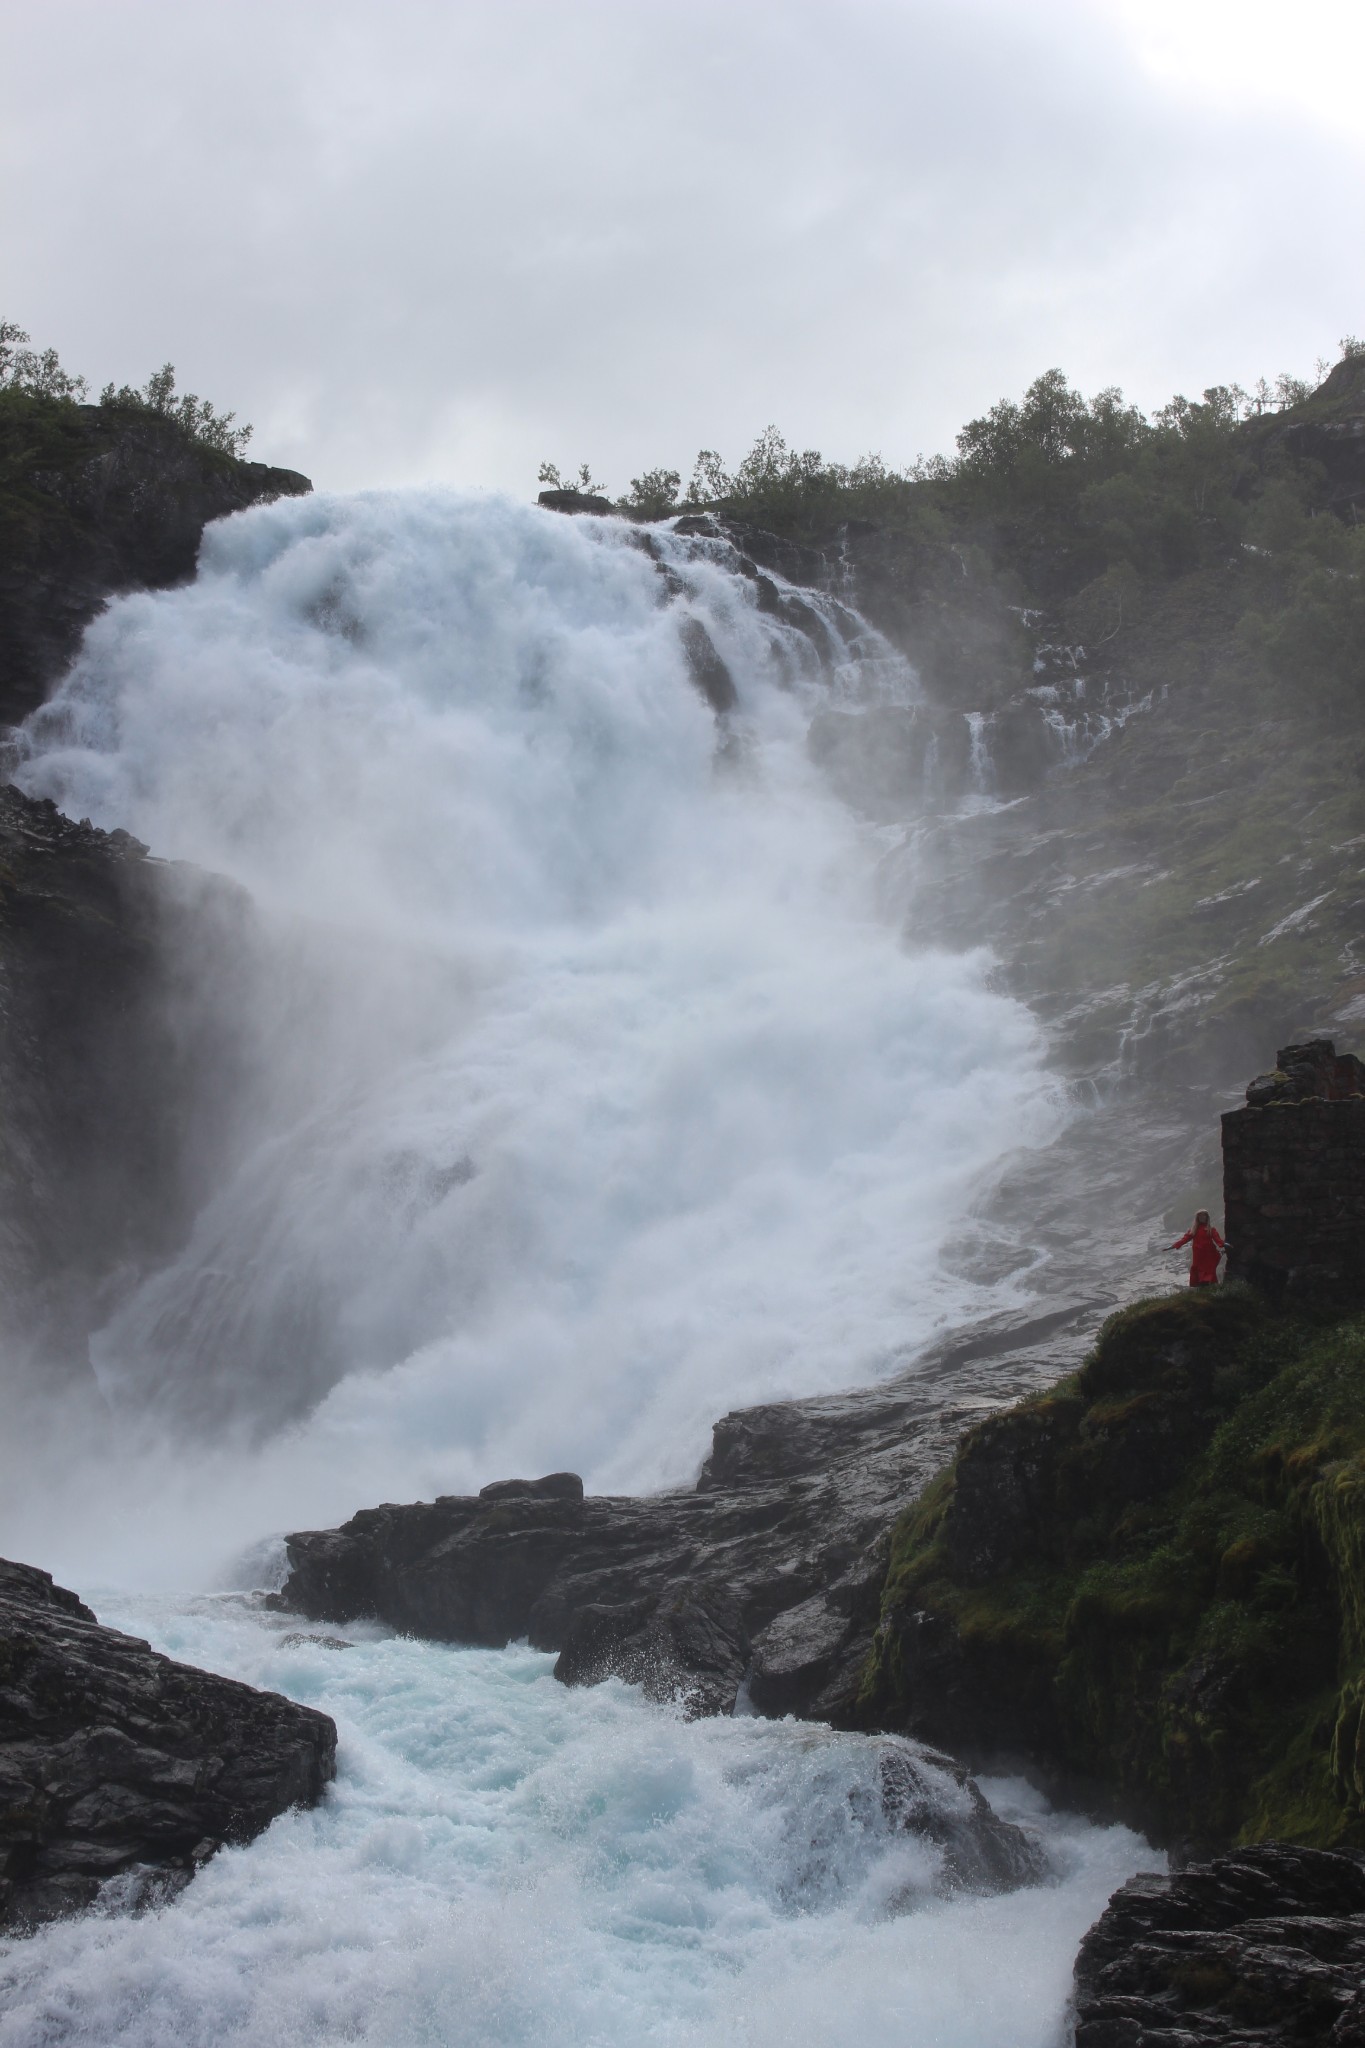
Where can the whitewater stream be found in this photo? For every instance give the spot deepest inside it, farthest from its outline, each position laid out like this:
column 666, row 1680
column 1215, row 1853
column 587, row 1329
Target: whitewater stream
column 593, row 1091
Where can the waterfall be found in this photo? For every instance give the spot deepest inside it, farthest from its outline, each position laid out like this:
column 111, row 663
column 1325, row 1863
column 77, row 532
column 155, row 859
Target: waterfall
column 594, row 1094
column 979, row 756
column 597, row 1095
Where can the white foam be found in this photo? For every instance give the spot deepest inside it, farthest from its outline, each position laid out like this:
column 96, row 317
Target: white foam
column 505, row 1861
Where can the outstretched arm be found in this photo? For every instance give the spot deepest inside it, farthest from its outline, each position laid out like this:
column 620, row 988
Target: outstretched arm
column 1182, row 1240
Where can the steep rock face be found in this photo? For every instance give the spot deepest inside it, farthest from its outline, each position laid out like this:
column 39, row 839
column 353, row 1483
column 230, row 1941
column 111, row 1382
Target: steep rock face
column 116, row 1762
column 95, row 500
column 1267, row 1946
column 1329, row 429
column 1147, row 1580
column 765, row 1577
column 119, row 1067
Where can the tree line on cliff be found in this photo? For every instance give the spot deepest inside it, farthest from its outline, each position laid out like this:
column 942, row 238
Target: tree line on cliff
column 1213, row 484
column 29, row 373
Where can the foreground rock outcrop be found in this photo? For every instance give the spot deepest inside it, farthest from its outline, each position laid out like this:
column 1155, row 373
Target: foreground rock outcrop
column 116, row 1762
column 1267, row 1946
column 767, row 1576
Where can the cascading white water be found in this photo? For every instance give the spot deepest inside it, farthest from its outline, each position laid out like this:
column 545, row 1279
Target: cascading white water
column 606, row 1098
column 595, row 1094
column 506, row 1864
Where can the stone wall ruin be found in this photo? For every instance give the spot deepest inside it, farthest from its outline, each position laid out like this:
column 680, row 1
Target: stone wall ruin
column 1294, row 1177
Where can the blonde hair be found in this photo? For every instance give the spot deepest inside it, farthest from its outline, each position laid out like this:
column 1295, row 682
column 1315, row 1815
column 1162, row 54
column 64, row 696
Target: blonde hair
column 1200, row 1216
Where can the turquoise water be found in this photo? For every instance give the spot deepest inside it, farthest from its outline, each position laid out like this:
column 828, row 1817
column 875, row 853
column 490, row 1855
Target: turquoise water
column 504, row 1861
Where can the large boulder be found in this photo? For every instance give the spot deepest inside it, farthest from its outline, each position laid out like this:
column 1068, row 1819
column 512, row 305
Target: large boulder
column 1263, row 1946
column 116, row 1763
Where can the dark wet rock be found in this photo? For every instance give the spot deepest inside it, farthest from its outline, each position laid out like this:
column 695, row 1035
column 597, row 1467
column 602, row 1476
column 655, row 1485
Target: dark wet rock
column 576, row 501
column 708, row 671
column 770, row 1571
column 97, row 500
column 1144, row 1582
column 122, row 1059
column 554, row 1486
column 1266, row 1945
column 813, row 568
column 116, row 1763
column 931, row 1795
column 690, row 1646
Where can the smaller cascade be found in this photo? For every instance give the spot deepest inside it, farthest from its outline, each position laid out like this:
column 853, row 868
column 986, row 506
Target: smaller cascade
column 980, row 759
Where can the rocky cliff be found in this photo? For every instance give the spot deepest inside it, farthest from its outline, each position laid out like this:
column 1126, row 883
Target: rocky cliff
column 121, row 1064
column 119, row 1057
column 95, row 500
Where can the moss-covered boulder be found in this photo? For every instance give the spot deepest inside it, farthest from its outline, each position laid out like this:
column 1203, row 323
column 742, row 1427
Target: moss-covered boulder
column 1150, row 1581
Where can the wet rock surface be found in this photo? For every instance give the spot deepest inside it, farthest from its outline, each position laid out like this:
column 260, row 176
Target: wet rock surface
column 1265, row 1945
column 118, row 1764
column 932, row 1796
column 767, row 1576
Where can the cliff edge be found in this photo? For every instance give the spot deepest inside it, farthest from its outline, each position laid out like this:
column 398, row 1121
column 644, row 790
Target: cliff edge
column 95, row 500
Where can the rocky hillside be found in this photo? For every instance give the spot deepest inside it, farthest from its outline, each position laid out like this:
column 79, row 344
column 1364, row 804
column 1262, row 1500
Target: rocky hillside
column 118, row 1065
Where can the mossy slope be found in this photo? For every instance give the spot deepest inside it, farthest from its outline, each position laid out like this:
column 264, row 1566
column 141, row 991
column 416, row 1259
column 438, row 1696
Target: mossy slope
column 1152, row 1578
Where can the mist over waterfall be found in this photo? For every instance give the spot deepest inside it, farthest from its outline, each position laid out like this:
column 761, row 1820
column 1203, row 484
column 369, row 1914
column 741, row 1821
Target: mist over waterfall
column 594, row 1090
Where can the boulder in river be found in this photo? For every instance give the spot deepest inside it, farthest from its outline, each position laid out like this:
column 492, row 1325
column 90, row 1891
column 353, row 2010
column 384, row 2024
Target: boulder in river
column 117, row 1763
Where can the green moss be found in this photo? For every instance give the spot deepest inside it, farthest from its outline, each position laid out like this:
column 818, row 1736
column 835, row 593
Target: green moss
column 1181, row 1611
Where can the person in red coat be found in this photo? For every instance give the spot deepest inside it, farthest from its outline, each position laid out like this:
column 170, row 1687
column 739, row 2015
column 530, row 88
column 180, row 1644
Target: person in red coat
column 1207, row 1248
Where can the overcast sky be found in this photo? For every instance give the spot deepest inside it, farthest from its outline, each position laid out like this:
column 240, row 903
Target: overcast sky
column 413, row 240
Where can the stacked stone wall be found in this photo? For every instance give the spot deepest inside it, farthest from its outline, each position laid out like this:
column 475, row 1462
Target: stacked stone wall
column 1294, row 1177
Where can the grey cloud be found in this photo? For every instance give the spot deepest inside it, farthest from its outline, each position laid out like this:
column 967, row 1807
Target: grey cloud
column 425, row 240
